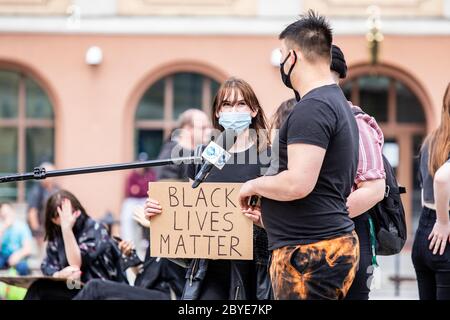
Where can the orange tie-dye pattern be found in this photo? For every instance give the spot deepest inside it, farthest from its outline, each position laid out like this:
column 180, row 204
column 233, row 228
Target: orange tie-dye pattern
column 339, row 257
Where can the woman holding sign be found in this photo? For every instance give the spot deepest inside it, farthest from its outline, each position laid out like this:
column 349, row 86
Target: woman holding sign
column 235, row 107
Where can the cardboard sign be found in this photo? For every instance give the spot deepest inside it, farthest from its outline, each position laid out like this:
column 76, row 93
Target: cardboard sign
column 205, row 222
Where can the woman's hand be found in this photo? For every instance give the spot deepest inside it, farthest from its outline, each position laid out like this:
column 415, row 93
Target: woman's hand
column 439, row 237
column 67, row 216
column 254, row 214
column 126, row 247
column 152, row 208
column 70, row 272
column 139, row 216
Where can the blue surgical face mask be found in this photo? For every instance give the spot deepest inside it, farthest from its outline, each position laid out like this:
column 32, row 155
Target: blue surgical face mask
column 238, row 121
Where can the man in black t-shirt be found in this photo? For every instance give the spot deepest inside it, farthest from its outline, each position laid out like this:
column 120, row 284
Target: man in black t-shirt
column 315, row 249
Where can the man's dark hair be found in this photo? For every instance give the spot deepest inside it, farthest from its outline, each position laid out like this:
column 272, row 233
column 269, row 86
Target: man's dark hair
column 311, row 34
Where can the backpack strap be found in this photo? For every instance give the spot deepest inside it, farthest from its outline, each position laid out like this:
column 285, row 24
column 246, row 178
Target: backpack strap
column 373, row 242
column 391, row 189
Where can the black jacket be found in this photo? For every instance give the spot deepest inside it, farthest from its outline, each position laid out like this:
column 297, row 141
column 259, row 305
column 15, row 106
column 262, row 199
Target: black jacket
column 161, row 274
column 100, row 256
column 197, row 269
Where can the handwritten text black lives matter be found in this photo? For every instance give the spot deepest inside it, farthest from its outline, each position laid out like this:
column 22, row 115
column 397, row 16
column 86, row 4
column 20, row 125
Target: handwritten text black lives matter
column 205, row 222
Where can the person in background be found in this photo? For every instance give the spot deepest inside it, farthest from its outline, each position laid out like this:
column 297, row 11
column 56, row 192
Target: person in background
column 137, row 182
column 369, row 186
column 431, row 251
column 36, row 200
column 78, row 248
column 15, row 241
column 136, row 188
column 193, row 128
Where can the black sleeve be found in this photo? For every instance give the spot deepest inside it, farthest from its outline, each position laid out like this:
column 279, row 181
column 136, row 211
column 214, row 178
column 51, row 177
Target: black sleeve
column 93, row 243
column 51, row 263
column 312, row 122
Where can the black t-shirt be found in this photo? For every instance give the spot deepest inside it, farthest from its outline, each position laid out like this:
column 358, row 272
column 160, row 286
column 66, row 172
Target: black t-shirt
column 322, row 118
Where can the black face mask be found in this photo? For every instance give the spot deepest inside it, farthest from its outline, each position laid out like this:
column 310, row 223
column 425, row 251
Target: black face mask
column 286, row 78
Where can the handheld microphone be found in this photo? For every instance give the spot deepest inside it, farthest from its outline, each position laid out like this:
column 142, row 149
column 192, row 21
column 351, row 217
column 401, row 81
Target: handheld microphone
column 215, row 155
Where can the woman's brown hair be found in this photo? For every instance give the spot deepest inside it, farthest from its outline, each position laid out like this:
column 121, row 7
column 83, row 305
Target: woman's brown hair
column 229, row 91
column 282, row 113
column 438, row 140
column 51, row 211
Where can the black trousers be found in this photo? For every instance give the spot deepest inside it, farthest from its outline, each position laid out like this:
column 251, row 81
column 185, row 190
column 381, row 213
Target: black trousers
column 108, row 290
column 50, row 290
column 360, row 287
column 433, row 271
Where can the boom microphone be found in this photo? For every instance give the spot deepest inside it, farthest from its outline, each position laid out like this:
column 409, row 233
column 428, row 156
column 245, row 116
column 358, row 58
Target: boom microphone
column 215, row 155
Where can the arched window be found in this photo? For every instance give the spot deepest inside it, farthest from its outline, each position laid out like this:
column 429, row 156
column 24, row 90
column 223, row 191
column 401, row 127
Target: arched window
column 400, row 114
column 26, row 130
column 164, row 101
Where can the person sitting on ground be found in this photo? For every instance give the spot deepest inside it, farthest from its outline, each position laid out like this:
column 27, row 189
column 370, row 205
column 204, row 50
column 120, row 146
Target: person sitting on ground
column 79, row 248
column 15, row 241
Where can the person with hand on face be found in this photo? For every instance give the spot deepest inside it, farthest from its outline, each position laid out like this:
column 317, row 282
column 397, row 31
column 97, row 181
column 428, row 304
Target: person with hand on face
column 237, row 108
column 431, row 250
column 315, row 250
column 78, row 248
column 15, row 241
